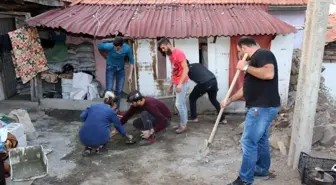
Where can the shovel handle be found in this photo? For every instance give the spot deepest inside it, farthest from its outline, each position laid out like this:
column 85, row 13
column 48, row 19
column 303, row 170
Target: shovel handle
column 228, row 94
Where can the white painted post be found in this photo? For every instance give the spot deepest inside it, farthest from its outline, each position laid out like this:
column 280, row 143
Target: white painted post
column 309, row 79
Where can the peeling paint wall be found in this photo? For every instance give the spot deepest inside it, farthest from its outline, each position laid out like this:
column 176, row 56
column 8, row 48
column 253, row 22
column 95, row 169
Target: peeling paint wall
column 146, row 58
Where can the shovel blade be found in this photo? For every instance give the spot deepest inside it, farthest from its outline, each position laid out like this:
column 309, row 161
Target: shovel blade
column 203, row 152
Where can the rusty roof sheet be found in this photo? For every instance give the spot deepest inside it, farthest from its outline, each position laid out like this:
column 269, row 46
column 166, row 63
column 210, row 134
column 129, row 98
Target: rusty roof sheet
column 191, row 2
column 181, row 21
column 331, row 33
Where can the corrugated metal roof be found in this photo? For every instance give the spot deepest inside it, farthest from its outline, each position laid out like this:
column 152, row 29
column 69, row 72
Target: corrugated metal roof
column 93, row 20
column 171, row 21
column 205, row 20
column 331, row 33
column 191, row 2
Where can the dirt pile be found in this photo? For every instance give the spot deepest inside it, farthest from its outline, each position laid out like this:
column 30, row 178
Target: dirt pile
column 325, row 119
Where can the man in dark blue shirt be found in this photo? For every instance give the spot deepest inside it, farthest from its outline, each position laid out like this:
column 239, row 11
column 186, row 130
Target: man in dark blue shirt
column 115, row 54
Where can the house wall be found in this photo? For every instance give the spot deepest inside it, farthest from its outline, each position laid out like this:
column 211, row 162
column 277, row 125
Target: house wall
column 218, row 62
column 329, row 62
column 295, row 18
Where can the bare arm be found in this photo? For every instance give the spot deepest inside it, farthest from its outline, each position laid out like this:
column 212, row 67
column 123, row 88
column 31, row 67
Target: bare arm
column 264, row 73
column 185, row 71
column 239, row 94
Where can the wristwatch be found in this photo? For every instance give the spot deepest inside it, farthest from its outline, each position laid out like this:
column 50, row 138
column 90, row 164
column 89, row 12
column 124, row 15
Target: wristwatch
column 246, row 67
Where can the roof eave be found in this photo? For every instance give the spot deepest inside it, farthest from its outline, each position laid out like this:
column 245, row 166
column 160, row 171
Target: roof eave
column 287, row 7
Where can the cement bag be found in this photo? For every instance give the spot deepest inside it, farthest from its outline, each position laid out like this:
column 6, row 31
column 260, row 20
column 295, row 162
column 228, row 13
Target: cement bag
column 92, row 92
column 81, row 80
column 78, row 94
column 24, row 119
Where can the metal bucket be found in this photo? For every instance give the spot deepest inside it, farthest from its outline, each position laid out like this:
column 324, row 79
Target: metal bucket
column 28, row 163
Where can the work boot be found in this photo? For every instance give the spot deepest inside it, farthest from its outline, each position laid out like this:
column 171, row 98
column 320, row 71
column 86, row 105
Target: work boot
column 238, row 181
column 149, row 141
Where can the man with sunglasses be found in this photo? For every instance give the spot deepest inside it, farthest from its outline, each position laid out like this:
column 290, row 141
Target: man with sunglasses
column 115, row 54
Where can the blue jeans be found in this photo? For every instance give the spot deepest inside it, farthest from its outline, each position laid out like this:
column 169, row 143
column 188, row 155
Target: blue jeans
column 255, row 144
column 116, row 74
column 181, row 104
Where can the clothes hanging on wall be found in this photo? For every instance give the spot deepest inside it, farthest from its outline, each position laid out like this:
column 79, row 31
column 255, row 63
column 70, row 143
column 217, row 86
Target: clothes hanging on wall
column 28, row 55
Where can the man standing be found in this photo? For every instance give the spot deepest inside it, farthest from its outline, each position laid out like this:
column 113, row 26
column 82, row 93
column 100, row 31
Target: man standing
column 115, row 54
column 206, row 83
column 179, row 80
column 261, row 93
column 155, row 116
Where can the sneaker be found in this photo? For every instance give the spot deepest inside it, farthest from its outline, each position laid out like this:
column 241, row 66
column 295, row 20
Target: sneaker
column 148, row 141
column 264, row 177
column 181, row 130
column 238, row 181
column 222, row 119
column 101, row 150
column 194, row 120
column 87, row 151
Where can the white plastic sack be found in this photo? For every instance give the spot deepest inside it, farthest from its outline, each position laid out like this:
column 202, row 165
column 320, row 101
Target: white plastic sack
column 81, row 80
column 92, row 92
column 78, row 94
column 24, row 119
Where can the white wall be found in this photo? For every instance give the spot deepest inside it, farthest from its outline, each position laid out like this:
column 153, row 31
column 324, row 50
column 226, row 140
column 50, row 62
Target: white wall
column 329, row 77
column 282, row 47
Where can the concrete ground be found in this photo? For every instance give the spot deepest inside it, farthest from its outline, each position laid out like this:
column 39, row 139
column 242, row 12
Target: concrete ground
column 172, row 160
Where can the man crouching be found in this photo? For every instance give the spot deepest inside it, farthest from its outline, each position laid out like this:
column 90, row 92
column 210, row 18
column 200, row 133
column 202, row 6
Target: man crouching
column 155, row 116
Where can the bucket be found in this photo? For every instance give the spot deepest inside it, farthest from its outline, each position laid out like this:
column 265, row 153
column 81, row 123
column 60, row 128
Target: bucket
column 28, row 163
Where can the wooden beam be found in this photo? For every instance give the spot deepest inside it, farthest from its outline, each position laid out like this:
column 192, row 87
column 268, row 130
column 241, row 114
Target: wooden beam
column 53, row 3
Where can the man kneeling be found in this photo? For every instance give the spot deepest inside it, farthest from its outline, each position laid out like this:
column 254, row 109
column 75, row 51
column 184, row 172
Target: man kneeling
column 155, row 116
column 98, row 119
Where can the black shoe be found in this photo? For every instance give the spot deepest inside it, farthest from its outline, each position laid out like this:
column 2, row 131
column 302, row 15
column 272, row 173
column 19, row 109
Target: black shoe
column 238, row 181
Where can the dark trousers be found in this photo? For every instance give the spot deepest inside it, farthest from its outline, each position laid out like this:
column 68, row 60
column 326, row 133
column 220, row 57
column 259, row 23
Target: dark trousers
column 146, row 121
column 199, row 90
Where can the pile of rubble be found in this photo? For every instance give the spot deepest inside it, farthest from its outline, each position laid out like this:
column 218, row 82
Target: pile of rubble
column 325, row 119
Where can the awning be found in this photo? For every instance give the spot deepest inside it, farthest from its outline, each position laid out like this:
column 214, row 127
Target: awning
column 181, row 21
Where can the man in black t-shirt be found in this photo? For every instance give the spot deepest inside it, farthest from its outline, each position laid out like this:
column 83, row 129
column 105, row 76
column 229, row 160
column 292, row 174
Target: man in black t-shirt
column 261, row 93
column 206, row 83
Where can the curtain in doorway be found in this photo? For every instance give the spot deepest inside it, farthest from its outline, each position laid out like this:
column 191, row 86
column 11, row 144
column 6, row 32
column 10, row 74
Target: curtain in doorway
column 263, row 40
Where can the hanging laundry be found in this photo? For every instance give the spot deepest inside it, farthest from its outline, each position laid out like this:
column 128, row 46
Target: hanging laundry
column 28, row 54
column 5, row 43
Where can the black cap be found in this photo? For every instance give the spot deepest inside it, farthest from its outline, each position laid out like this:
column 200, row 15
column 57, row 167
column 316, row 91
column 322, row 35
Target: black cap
column 134, row 96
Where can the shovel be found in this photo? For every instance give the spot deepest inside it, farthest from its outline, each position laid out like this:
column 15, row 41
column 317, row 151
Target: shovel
column 205, row 150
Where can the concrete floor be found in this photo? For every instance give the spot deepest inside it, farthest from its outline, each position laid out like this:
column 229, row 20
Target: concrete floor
column 172, row 160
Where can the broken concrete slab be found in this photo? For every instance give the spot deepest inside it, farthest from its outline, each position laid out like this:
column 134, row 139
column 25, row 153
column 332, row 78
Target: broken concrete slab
column 329, row 136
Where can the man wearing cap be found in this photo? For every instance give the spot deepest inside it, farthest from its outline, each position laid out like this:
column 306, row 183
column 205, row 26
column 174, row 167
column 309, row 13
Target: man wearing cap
column 155, row 116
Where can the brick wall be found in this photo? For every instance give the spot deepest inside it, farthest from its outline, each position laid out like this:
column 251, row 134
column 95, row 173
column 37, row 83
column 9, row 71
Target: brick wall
column 330, row 53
